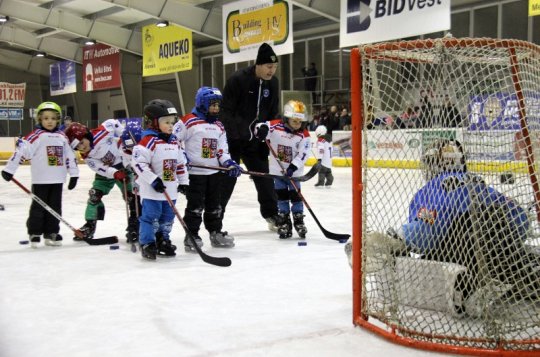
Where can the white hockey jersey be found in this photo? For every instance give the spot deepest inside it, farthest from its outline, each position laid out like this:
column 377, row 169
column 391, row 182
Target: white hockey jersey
column 324, row 152
column 154, row 157
column 205, row 143
column 106, row 152
column 290, row 147
column 51, row 157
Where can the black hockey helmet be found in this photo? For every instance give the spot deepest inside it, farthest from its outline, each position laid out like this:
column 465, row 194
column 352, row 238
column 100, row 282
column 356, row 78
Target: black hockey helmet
column 156, row 109
column 443, row 155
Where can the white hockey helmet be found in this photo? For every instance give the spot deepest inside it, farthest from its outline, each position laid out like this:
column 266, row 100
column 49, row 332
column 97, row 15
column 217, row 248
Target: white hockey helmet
column 321, row 130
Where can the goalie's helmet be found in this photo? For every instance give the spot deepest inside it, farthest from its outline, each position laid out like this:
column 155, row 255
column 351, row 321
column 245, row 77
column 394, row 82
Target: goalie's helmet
column 156, row 109
column 320, row 131
column 48, row 106
column 295, row 109
column 205, row 97
column 443, row 156
column 76, row 132
column 131, row 135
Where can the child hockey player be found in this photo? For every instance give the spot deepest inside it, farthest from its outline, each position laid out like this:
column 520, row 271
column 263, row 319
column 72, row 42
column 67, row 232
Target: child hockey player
column 205, row 142
column 100, row 150
column 51, row 158
column 289, row 138
column 159, row 163
column 324, row 157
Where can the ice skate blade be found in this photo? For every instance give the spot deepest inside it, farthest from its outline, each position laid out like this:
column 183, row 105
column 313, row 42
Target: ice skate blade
column 222, row 246
column 190, row 250
column 53, row 243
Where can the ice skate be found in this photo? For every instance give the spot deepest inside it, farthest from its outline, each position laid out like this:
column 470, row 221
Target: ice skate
column 53, row 239
column 188, row 245
column 164, row 246
column 87, row 230
column 273, row 223
column 285, row 226
column 299, row 226
column 34, row 240
column 320, row 182
column 221, row 240
column 148, row 251
column 132, row 235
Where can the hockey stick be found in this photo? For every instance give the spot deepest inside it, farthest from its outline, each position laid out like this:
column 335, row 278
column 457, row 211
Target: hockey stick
column 78, row 233
column 124, row 184
column 327, row 234
column 309, row 175
column 219, row 261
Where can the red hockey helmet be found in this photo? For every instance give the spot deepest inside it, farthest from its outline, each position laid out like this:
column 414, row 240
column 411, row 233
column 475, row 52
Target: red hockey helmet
column 76, row 132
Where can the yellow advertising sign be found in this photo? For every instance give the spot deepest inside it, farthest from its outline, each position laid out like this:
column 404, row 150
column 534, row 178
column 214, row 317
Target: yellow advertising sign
column 264, row 24
column 166, row 50
column 534, row 7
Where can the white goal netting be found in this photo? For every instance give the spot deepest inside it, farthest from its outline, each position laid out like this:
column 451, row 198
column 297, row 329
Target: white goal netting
column 450, row 134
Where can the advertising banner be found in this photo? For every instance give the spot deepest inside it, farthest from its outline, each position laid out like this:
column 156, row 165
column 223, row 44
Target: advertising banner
column 101, row 67
column 534, row 7
column 62, row 78
column 12, row 94
column 249, row 23
column 500, row 111
column 368, row 21
column 166, row 50
column 11, row 113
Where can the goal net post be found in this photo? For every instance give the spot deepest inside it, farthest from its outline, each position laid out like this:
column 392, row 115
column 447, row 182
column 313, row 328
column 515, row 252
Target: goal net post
column 466, row 278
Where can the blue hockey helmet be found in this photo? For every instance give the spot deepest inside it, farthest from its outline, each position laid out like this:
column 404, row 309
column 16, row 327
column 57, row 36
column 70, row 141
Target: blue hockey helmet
column 205, row 97
column 131, row 135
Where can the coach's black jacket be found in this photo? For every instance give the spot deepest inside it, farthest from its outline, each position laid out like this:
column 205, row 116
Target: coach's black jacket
column 239, row 108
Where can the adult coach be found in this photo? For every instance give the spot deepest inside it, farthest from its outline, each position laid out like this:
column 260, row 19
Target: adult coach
column 251, row 96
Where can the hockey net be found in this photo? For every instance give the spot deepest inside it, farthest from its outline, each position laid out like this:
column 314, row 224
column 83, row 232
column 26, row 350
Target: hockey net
column 416, row 296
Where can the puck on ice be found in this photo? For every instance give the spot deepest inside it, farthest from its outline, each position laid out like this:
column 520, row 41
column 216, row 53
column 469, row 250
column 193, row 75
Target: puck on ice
column 23, row 242
column 343, row 240
column 302, row 243
column 114, row 247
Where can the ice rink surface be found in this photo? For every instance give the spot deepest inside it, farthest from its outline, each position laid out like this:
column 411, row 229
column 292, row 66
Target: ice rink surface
column 277, row 298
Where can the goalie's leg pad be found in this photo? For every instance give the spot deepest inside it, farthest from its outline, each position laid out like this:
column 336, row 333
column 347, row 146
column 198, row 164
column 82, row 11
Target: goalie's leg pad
column 380, row 249
column 433, row 288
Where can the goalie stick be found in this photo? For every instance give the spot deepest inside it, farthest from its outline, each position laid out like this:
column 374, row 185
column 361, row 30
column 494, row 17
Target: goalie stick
column 78, row 233
column 327, row 234
column 309, row 175
column 219, row 261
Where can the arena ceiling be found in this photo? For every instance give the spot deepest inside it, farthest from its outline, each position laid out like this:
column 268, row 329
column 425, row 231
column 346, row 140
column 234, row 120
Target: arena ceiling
column 59, row 28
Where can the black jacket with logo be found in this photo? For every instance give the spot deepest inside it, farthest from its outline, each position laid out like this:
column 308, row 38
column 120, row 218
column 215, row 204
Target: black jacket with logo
column 239, row 108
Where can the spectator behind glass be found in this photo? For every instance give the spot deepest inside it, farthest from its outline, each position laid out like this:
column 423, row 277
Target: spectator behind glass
column 426, row 110
column 66, row 123
column 331, row 121
column 310, row 81
column 449, row 116
column 344, row 120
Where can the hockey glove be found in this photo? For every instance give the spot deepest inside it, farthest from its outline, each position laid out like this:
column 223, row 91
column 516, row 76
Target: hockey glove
column 234, row 169
column 182, row 189
column 120, row 175
column 291, row 169
column 261, row 131
column 6, row 175
column 158, row 185
column 72, row 183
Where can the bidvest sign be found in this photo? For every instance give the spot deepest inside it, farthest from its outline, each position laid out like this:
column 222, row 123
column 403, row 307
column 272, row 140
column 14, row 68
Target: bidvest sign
column 368, row 21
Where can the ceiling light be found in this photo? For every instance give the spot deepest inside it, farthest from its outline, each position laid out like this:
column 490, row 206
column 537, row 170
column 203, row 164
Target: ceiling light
column 162, row 23
column 39, row 54
column 89, row 42
column 4, row 19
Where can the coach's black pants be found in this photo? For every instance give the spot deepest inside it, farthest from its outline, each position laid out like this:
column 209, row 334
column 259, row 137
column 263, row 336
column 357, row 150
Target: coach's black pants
column 254, row 154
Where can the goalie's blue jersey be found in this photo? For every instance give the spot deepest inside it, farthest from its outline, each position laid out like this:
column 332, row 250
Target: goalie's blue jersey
column 446, row 197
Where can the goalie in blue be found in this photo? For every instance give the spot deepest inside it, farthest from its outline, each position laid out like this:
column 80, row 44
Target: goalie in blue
column 457, row 218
